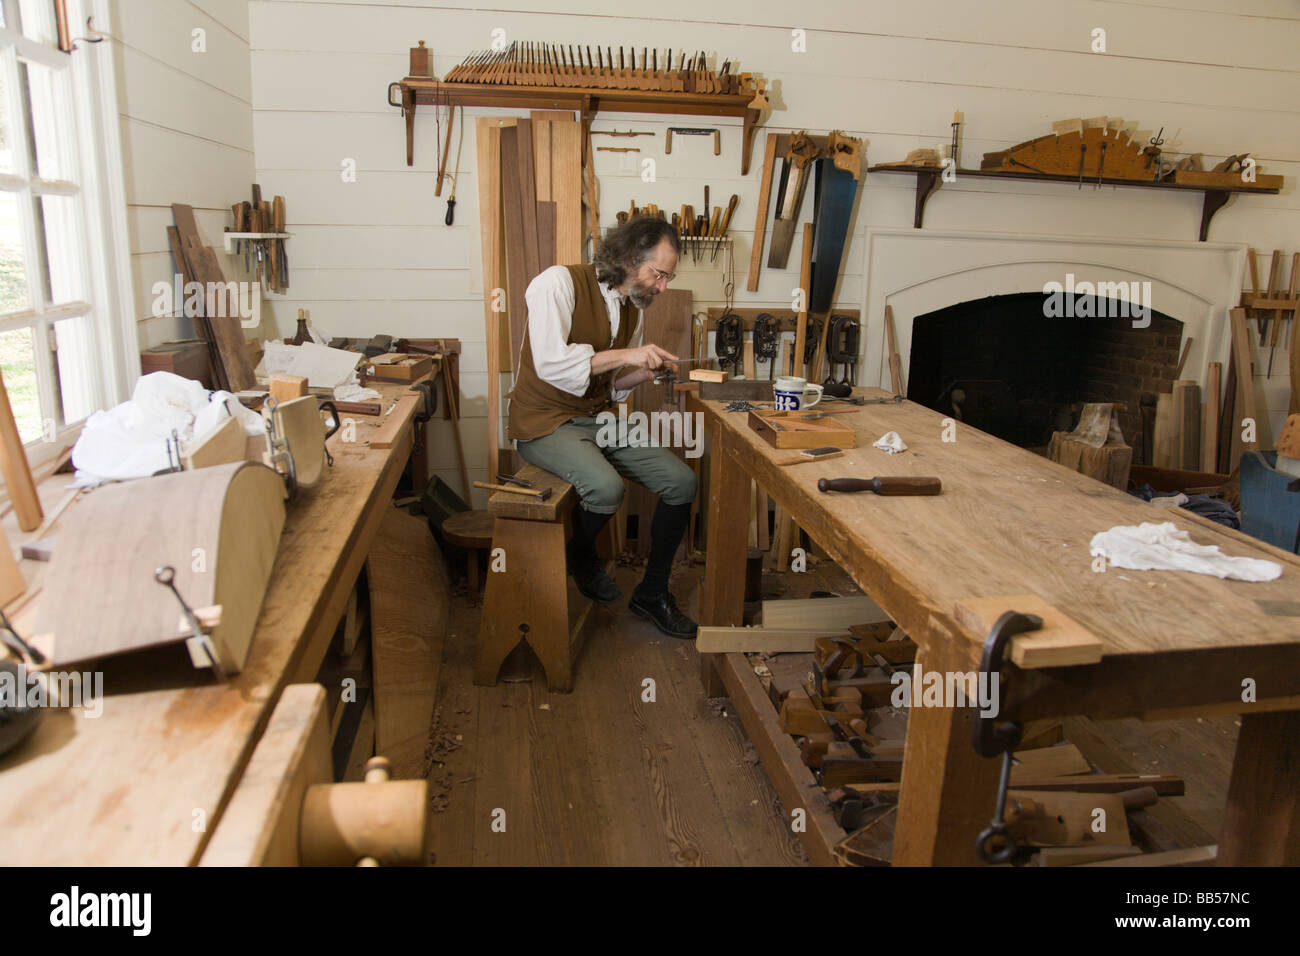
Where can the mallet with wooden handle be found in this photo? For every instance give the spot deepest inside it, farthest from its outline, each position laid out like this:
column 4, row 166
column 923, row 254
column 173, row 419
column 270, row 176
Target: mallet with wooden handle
column 892, row 485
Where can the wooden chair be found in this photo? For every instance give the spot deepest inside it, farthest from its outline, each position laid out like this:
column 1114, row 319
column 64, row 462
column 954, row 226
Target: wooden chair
column 533, row 599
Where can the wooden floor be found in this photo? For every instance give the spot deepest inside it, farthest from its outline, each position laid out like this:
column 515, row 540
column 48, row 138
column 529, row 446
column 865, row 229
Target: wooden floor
column 602, row 777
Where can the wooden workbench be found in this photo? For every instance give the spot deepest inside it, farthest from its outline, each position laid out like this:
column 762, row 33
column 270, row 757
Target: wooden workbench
column 146, row 782
column 1010, row 522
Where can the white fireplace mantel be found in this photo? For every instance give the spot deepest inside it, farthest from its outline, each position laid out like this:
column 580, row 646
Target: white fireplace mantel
column 919, row 271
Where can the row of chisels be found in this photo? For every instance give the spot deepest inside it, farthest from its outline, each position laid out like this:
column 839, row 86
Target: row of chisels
column 575, row 65
column 266, row 257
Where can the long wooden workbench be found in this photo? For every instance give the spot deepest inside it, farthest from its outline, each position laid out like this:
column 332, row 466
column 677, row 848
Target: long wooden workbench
column 1010, row 522
column 146, row 782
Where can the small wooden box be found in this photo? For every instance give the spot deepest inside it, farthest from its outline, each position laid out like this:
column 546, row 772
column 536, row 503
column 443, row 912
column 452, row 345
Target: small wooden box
column 795, row 430
column 396, row 367
column 186, row 359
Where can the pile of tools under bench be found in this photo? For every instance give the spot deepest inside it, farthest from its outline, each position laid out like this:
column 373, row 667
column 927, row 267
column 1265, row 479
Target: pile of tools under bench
column 837, row 703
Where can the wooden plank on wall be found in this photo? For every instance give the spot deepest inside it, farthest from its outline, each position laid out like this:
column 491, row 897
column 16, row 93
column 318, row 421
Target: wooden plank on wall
column 566, row 191
column 528, row 203
column 545, row 235
column 512, row 213
column 1210, row 417
column 760, row 222
column 488, row 141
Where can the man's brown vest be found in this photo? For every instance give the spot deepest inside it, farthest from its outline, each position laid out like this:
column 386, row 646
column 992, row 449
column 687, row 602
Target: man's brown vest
column 537, row 408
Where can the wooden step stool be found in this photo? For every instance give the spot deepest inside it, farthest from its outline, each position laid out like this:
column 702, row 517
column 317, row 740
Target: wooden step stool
column 533, row 599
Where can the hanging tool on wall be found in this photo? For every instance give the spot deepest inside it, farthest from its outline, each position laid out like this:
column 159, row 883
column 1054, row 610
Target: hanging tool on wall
column 842, row 349
column 720, row 233
column 767, row 336
column 835, row 192
column 727, row 341
column 693, row 131
column 789, row 196
column 460, row 139
column 812, row 340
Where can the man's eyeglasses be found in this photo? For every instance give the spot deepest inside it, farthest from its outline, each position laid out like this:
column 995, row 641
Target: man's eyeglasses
column 663, row 276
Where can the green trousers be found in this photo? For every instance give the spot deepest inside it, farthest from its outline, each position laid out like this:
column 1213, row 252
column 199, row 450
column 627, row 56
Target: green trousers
column 596, row 473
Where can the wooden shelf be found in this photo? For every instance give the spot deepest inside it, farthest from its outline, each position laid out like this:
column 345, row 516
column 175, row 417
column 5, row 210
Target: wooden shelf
column 929, row 178
column 417, row 91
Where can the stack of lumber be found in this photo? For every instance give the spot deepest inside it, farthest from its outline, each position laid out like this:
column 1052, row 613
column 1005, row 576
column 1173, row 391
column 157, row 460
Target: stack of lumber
column 530, row 217
column 219, row 323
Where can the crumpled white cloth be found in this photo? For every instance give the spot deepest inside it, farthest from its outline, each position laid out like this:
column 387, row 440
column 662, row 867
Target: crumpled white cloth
column 130, row 439
column 1163, row 547
column 891, row 443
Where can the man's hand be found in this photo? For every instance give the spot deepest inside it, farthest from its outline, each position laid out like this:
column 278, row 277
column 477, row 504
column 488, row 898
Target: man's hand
column 649, row 357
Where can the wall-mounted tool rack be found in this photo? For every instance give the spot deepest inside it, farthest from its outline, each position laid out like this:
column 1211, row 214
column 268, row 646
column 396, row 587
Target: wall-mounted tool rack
column 747, row 103
column 929, row 178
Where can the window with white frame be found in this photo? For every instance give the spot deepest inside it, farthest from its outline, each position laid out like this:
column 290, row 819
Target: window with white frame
column 54, row 334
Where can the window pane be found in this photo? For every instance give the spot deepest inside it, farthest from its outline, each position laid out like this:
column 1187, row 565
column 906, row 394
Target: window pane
column 14, row 294
column 45, row 97
column 75, row 338
column 37, row 18
column 56, row 238
column 18, row 365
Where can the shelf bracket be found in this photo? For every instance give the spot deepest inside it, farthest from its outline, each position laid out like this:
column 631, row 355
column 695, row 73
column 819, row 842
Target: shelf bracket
column 927, row 181
column 590, row 107
column 1215, row 199
column 747, row 139
column 408, row 111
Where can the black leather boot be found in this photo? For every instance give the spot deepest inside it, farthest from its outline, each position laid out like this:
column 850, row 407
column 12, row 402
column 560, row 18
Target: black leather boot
column 664, row 614
column 584, row 564
column 651, row 599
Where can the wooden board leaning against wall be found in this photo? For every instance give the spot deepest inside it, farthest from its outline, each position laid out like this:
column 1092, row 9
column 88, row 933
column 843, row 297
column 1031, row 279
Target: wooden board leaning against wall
column 546, row 149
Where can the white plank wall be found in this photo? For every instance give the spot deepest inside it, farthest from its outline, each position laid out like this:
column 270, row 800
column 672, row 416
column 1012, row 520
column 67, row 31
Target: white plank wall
column 187, row 132
column 373, row 255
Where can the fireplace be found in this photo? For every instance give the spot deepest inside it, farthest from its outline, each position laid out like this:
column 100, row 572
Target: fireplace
column 1019, row 366
column 921, row 274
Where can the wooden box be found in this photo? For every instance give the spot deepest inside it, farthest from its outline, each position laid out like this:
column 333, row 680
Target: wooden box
column 397, row 367
column 186, row 359
column 798, row 430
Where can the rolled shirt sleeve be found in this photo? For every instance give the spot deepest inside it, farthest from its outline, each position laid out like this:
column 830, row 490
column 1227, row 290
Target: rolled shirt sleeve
column 550, row 301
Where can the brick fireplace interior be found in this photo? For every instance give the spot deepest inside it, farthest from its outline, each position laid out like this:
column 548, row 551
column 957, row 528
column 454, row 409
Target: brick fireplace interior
column 1000, row 365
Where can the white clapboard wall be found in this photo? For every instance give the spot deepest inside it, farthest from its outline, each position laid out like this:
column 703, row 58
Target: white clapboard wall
column 186, row 120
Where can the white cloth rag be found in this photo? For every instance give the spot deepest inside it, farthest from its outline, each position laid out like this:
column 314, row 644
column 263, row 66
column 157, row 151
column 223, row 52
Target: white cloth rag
column 130, row 440
column 1163, row 547
column 890, row 443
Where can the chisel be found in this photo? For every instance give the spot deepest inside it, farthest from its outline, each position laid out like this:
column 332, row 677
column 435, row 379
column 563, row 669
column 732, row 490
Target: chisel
column 892, row 485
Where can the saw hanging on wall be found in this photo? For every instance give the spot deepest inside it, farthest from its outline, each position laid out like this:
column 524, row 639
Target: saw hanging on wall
column 835, row 192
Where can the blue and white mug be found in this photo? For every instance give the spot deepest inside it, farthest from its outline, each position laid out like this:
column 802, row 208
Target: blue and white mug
column 792, row 393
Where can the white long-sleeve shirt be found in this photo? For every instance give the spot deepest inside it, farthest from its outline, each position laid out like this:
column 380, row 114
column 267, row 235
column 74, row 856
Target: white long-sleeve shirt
column 551, row 301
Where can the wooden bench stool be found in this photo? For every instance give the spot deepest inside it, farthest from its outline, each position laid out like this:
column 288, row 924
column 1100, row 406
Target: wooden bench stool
column 533, row 599
column 471, row 530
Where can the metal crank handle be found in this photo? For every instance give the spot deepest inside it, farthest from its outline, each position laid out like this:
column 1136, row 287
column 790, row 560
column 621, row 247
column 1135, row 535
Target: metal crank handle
column 996, row 843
